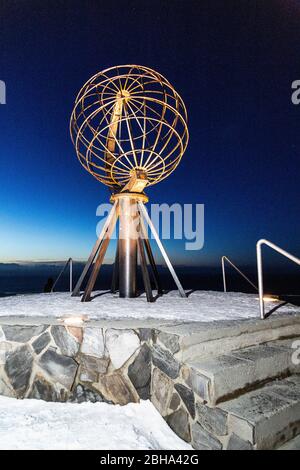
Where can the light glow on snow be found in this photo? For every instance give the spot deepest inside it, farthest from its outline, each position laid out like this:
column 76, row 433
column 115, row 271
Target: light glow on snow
column 267, row 298
column 270, row 299
column 73, row 321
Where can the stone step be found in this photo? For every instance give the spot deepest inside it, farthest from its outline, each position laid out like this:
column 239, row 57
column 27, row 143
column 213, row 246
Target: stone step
column 293, row 444
column 268, row 417
column 213, row 339
column 220, row 378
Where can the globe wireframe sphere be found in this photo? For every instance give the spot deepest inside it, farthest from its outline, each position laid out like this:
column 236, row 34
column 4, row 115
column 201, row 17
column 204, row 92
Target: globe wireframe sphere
column 129, row 118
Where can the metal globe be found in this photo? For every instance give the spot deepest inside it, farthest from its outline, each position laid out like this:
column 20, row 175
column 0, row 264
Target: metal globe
column 129, row 122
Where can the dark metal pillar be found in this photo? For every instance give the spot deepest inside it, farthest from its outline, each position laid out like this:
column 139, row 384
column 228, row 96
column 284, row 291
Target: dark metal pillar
column 128, row 246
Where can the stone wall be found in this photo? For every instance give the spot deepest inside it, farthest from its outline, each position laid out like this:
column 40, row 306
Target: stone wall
column 58, row 363
column 179, row 394
column 54, row 362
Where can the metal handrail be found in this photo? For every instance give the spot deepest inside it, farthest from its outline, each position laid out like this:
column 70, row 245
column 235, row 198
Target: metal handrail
column 223, row 259
column 69, row 261
column 260, row 269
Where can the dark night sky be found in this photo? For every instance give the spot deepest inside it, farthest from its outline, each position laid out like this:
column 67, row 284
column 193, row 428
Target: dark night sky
column 233, row 63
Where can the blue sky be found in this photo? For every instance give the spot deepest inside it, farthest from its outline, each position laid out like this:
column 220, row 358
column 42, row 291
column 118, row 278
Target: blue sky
column 233, row 63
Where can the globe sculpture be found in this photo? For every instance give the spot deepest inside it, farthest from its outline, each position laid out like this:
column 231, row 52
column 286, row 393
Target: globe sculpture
column 129, row 130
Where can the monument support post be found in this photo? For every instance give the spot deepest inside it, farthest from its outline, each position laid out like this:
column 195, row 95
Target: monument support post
column 127, row 247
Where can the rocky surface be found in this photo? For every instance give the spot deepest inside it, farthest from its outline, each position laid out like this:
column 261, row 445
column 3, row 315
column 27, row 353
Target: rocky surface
column 5, row 389
column 236, row 443
column 171, row 342
column 95, row 363
column 165, row 361
column 41, row 342
column 60, row 368
column 197, row 382
column 5, row 348
column 213, row 420
column 76, row 332
column 179, row 422
column 42, row 389
column 64, row 340
column 21, row 334
column 139, row 372
column 91, row 367
column 18, row 368
column 93, row 342
column 161, row 391
column 145, row 334
column 175, row 402
column 203, row 440
column 115, row 388
column 187, row 397
column 121, row 344
column 82, row 394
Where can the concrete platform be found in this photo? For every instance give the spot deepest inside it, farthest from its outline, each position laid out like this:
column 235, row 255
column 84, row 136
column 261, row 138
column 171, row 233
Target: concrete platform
column 227, row 383
column 200, row 306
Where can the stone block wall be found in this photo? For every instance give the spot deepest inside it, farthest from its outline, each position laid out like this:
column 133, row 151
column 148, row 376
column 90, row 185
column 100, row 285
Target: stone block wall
column 180, row 395
column 92, row 363
column 60, row 363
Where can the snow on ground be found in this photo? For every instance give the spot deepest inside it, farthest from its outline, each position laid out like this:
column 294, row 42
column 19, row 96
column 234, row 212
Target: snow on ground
column 36, row 424
column 199, row 306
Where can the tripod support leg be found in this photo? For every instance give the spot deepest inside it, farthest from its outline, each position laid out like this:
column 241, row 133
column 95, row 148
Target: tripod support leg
column 151, row 257
column 76, row 291
column 115, row 278
column 145, row 273
column 98, row 263
column 143, row 210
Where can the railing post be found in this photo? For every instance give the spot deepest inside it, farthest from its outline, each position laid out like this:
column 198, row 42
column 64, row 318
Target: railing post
column 224, row 275
column 260, row 269
column 260, row 279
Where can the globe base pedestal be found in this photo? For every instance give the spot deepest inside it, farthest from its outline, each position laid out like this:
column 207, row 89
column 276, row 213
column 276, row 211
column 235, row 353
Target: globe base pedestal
column 133, row 243
column 127, row 246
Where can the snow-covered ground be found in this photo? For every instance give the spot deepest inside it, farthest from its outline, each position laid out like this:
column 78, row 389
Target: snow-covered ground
column 199, row 306
column 36, row 424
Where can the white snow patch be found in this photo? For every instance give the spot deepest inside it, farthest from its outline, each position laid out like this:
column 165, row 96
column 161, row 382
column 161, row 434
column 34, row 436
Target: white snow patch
column 36, row 424
column 200, row 306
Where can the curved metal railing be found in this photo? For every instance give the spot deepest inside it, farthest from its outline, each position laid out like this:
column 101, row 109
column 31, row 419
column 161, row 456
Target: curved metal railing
column 260, row 269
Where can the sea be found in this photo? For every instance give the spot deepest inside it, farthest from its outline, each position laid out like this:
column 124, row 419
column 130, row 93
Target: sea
column 31, row 278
